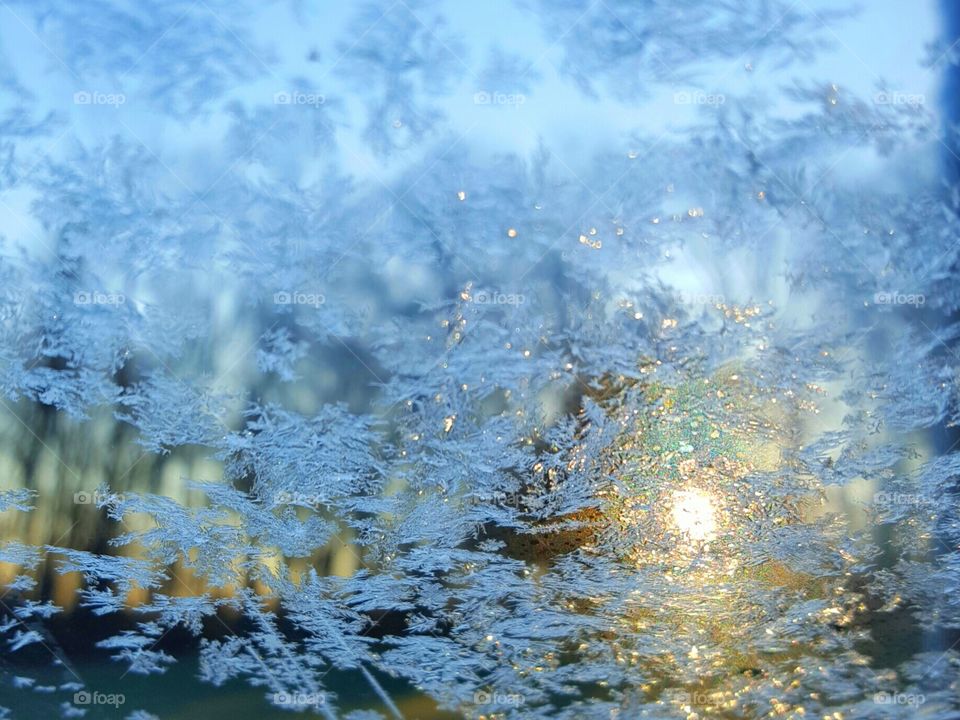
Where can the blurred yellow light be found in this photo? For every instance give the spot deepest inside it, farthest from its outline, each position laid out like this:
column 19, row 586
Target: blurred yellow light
column 694, row 515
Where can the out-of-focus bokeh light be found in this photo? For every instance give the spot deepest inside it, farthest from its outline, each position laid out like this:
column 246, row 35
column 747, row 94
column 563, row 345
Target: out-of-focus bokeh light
column 694, row 515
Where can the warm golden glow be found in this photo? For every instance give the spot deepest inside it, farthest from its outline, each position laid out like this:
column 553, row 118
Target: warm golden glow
column 694, row 515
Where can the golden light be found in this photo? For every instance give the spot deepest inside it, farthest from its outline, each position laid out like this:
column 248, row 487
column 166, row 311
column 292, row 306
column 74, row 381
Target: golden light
column 694, row 514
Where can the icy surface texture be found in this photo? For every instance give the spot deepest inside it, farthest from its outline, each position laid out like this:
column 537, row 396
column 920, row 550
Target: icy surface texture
column 529, row 422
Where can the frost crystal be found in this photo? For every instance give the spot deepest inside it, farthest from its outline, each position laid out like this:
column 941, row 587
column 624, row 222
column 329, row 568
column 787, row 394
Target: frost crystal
column 560, row 359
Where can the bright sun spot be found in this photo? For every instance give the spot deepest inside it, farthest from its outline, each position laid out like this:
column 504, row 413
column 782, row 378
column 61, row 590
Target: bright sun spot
column 693, row 514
